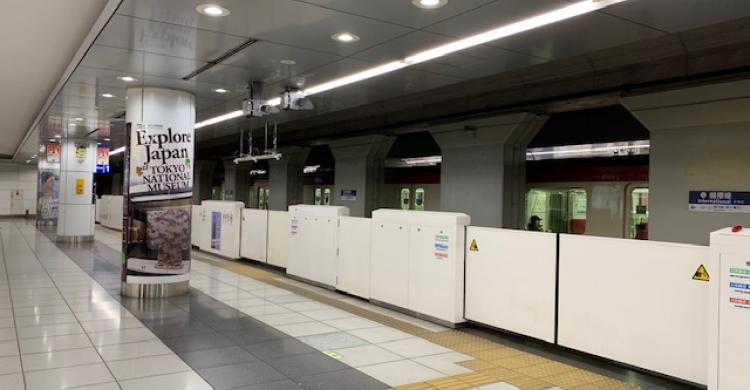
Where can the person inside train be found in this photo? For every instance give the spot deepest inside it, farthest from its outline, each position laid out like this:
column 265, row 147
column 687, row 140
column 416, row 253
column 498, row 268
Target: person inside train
column 535, row 224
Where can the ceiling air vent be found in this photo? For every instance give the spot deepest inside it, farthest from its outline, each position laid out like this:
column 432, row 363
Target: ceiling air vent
column 220, row 59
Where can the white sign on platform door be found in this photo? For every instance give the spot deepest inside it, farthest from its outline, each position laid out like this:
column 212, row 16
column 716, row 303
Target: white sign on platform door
column 16, row 202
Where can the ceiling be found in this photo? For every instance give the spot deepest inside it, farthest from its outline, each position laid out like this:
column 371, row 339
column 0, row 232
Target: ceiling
column 160, row 42
column 38, row 40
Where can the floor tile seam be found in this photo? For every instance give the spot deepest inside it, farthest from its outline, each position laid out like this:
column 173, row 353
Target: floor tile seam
column 18, row 340
column 28, row 244
column 67, row 366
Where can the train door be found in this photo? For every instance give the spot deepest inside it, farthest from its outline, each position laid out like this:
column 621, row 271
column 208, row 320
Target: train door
column 263, row 195
column 419, row 199
column 318, row 196
column 322, row 196
column 405, row 199
column 327, row 196
column 556, row 210
column 638, row 212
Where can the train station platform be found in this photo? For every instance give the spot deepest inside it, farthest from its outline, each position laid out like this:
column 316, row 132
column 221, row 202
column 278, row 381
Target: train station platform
column 64, row 324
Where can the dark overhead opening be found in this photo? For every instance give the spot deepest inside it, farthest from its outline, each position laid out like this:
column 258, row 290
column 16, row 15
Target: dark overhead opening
column 321, row 155
column 599, row 125
column 418, row 144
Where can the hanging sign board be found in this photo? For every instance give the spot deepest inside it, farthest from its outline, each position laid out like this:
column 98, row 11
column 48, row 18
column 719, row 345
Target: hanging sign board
column 102, row 159
column 158, row 198
column 53, row 153
column 719, row 201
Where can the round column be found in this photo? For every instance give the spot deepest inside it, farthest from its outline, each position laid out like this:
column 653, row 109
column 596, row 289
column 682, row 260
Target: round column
column 158, row 185
column 75, row 221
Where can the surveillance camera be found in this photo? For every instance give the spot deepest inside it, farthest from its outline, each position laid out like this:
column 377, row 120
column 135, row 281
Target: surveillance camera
column 295, row 100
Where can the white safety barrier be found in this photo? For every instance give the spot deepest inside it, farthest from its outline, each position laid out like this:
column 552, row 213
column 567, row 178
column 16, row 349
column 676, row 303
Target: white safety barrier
column 313, row 242
column 199, row 225
column 355, row 239
column 254, row 241
column 417, row 262
column 510, row 280
column 729, row 309
column 109, row 211
column 218, row 228
column 635, row 302
column 278, row 238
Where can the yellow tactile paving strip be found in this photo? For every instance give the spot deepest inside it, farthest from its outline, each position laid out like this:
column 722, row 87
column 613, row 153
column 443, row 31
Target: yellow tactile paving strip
column 492, row 362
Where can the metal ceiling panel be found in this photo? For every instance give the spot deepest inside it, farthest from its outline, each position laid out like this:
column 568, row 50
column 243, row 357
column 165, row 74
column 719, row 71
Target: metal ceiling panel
column 680, row 15
column 402, row 12
column 579, row 35
column 166, row 39
column 283, row 21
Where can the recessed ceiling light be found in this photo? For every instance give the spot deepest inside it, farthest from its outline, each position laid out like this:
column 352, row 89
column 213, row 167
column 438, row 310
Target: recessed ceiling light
column 127, row 79
column 79, row 119
column 107, row 95
column 221, row 90
column 288, row 62
column 429, row 4
column 58, row 136
column 212, row 10
column 106, row 139
column 345, row 37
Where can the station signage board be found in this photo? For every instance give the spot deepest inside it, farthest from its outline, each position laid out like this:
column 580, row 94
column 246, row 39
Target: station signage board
column 719, row 201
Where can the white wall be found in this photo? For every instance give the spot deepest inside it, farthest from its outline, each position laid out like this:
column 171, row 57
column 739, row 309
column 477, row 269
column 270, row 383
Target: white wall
column 22, row 178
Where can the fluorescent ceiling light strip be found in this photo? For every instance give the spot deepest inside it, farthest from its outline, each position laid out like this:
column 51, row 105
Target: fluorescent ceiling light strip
column 220, row 118
column 588, row 150
column 558, row 15
column 117, row 151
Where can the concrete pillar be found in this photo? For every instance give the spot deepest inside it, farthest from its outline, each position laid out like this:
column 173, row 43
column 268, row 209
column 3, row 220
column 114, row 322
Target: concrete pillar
column 359, row 172
column 285, row 179
column 237, row 181
column 483, row 172
column 203, row 173
column 699, row 142
column 76, row 207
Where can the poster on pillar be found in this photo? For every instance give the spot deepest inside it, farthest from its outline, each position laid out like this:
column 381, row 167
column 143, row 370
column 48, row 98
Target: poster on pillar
column 158, row 198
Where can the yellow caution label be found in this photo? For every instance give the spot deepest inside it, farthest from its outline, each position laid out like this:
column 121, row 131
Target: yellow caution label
column 474, row 247
column 701, row 274
column 80, row 186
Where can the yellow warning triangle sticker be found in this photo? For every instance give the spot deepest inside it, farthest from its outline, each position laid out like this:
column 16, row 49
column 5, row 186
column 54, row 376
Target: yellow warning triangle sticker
column 701, row 274
column 473, row 247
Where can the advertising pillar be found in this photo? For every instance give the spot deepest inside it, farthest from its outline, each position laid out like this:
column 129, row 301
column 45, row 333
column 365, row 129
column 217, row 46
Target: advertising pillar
column 158, row 190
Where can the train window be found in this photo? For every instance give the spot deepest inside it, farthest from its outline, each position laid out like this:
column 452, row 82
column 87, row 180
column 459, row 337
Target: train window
column 419, row 199
column 638, row 218
column 556, row 210
column 318, row 196
column 405, row 198
column 327, row 196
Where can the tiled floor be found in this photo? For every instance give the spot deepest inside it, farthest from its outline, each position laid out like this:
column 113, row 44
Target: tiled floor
column 64, row 325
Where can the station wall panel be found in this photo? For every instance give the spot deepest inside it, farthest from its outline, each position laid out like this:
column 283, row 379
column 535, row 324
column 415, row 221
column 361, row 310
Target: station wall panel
column 510, row 280
column 635, row 302
column 254, row 241
column 278, row 238
column 355, row 242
